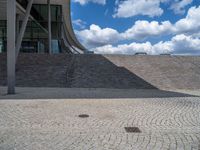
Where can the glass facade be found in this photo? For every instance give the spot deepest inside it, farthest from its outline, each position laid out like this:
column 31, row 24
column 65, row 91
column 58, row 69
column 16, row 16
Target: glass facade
column 35, row 39
column 2, row 36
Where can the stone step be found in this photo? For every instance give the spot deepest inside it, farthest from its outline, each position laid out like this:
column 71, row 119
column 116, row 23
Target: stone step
column 105, row 71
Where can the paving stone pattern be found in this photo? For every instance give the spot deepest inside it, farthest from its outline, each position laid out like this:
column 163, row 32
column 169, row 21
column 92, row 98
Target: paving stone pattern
column 165, row 123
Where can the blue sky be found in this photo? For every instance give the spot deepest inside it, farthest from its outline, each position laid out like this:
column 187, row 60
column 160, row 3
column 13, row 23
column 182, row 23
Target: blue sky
column 130, row 26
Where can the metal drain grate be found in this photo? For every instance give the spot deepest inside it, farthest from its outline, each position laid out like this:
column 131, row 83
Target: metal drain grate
column 83, row 116
column 132, row 130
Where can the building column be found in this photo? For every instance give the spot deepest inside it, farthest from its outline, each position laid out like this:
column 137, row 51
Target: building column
column 49, row 26
column 11, row 21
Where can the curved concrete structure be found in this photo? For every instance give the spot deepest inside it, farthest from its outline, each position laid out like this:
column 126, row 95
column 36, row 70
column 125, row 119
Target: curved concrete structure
column 72, row 36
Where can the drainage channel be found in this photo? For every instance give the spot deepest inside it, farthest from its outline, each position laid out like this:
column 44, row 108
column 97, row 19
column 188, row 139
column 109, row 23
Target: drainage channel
column 83, row 116
column 132, row 130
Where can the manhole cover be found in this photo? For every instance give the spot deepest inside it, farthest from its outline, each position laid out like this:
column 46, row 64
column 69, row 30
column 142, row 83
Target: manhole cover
column 83, row 116
column 132, row 130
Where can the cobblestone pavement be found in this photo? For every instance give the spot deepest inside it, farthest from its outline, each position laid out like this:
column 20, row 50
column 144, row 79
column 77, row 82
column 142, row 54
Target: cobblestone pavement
column 166, row 123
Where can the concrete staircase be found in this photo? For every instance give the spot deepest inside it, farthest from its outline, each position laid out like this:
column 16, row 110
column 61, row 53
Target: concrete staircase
column 105, row 71
column 38, row 70
column 97, row 71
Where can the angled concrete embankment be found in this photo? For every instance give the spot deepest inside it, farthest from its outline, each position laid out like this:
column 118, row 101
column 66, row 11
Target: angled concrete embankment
column 117, row 71
column 105, row 71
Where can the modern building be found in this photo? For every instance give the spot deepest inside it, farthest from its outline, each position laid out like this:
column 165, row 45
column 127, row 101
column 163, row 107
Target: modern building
column 36, row 35
column 35, row 26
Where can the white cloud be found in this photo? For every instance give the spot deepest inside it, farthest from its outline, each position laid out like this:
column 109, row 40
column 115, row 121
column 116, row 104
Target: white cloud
column 131, row 49
column 130, row 8
column 186, row 38
column 179, row 6
column 185, row 44
column 143, row 29
column 190, row 24
column 81, row 24
column 97, row 36
column 151, row 8
column 180, row 44
column 83, row 2
column 124, row 48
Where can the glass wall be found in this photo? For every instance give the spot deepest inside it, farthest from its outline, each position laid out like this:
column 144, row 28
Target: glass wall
column 2, row 35
column 56, row 18
column 35, row 39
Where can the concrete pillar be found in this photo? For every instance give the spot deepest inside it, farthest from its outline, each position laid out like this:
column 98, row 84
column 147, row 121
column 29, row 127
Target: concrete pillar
column 11, row 20
column 49, row 26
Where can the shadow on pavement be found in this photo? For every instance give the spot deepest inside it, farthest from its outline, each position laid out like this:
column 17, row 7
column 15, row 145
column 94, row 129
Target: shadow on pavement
column 67, row 93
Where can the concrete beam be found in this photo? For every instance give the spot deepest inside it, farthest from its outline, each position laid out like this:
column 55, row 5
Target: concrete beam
column 17, row 25
column 23, row 28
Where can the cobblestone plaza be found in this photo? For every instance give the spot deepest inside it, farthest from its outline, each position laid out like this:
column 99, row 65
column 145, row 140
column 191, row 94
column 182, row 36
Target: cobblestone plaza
column 55, row 94
column 165, row 123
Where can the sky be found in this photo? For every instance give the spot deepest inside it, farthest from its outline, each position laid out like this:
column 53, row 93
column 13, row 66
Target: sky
column 131, row 26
